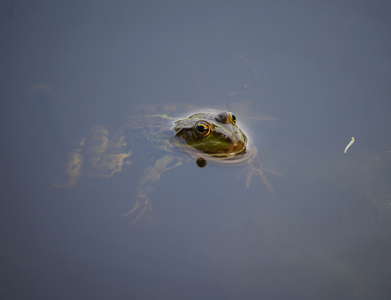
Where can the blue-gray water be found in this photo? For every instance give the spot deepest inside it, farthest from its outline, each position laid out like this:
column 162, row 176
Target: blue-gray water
column 322, row 68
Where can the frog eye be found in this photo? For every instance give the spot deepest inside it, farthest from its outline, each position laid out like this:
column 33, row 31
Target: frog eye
column 202, row 128
column 232, row 119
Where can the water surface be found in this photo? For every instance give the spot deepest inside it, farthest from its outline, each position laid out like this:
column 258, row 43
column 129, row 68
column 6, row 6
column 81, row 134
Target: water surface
column 322, row 69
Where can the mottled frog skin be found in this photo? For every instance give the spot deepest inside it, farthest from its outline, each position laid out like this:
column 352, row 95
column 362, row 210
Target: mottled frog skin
column 204, row 136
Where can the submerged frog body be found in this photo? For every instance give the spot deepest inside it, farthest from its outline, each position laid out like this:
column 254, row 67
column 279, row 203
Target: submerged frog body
column 203, row 136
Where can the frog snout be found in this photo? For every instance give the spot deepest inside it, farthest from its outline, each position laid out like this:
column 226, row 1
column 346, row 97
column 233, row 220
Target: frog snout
column 227, row 138
column 234, row 143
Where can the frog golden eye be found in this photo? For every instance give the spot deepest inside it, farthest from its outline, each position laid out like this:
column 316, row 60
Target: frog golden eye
column 202, row 129
column 232, row 119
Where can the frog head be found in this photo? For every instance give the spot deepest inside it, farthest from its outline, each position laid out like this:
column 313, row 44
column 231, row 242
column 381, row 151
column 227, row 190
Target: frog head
column 215, row 134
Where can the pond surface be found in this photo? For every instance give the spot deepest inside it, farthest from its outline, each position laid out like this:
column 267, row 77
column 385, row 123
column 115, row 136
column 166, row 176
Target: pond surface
column 321, row 69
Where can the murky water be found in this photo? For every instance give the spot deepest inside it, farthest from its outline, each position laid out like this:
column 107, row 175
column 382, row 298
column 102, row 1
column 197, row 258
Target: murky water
column 323, row 70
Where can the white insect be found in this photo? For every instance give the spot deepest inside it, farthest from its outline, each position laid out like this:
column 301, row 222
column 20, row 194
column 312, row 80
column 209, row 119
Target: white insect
column 351, row 143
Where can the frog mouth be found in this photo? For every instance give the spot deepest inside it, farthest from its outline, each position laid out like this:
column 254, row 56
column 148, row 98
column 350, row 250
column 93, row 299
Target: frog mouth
column 227, row 147
column 225, row 158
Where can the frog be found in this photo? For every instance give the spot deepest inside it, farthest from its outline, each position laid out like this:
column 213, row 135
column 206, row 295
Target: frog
column 169, row 139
